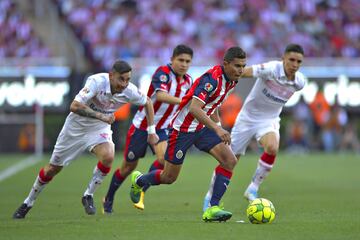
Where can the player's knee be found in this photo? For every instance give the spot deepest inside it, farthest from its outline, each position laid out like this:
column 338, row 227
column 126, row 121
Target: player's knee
column 108, row 159
column 272, row 149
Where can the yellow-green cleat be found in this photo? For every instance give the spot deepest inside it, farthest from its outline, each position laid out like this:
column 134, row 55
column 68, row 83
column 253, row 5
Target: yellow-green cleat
column 215, row 213
column 140, row 205
column 135, row 191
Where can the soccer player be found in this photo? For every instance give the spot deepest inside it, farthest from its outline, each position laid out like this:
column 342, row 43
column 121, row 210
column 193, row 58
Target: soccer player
column 169, row 84
column 276, row 82
column 87, row 127
column 195, row 123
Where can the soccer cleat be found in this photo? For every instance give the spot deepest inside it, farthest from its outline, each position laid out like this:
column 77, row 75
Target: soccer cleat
column 107, row 206
column 135, row 190
column 250, row 194
column 215, row 213
column 140, row 204
column 21, row 211
column 88, row 203
column 206, row 203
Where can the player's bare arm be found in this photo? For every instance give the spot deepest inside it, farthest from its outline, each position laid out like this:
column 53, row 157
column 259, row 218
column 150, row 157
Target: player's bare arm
column 85, row 111
column 215, row 116
column 149, row 111
column 248, row 72
column 196, row 110
column 165, row 97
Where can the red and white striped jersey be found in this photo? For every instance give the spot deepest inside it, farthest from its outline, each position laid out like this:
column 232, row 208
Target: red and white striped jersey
column 212, row 88
column 164, row 79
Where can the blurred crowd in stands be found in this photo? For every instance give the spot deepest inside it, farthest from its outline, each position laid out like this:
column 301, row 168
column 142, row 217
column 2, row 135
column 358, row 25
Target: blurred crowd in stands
column 150, row 29
column 17, row 38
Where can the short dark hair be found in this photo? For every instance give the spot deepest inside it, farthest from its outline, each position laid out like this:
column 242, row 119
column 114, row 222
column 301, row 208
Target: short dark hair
column 121, row 67
column 234, row 52
column 293, row 47
column 182, row 48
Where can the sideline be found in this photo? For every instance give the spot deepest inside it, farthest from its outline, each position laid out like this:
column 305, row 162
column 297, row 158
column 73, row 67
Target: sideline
column 14, row 169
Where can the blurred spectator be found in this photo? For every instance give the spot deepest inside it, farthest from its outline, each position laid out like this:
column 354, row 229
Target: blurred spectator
column 333, row 128
column 350, row 140
column 297, row 133
column 320, row 109
column 128, row 28
column 300, row 128
column 26, row 140
column 17, row 38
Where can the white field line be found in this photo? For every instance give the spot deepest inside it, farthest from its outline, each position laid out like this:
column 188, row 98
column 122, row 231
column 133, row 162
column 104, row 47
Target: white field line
column 14, row 169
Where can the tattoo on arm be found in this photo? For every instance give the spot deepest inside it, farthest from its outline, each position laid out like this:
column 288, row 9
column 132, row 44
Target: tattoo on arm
column 87, row 112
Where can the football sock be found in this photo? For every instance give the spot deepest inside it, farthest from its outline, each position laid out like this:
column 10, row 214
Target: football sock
column 116, row 182
column 151, row 178
column 263, row 169
column 99, row 173
column 222, row 180
column 156, row 165
column 39, row 184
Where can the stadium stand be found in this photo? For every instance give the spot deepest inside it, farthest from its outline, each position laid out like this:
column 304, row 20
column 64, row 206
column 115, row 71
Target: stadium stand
column 17, row 38
column 325, row 28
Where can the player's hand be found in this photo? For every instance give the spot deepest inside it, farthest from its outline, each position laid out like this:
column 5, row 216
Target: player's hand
column 224, row 135
column 108, row 118
column 153, row 139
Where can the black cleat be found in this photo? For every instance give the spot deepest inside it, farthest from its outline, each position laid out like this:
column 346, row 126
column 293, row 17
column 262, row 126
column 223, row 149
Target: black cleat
column 107, row 206
column 88, row 203
column 21, row 211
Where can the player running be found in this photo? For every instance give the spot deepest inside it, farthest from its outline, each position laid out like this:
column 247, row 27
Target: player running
column 276, row 82
column 169, row 84
column 195, row 123
column 87, row 127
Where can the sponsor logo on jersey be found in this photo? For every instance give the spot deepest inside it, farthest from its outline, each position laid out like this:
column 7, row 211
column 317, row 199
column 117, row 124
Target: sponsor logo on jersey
column 208, row 87
column 104, row 135
column 163, row 78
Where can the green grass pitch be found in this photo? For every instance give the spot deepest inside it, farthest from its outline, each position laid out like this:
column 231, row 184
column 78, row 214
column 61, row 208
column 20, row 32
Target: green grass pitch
column 316, row 196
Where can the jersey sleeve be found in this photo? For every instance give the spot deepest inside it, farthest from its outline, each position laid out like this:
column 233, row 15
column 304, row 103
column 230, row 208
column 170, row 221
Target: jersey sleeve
column 135, row 96
column 301, row 81
column 205, row 88
column 87, row 92
column 264, row 70
column 160, row 80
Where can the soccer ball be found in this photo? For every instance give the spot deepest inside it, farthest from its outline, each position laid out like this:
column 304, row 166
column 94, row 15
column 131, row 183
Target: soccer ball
column 260, row 210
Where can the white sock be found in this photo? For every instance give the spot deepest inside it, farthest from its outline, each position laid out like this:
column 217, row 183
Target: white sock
column 35, row 191
column 95, row 182
column 211, row 186
column 263, row 169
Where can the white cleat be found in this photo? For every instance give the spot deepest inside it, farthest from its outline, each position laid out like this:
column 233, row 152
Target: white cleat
column 250, row 194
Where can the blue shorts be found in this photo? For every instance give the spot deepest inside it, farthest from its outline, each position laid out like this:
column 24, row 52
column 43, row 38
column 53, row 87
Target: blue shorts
column 136, row 142
column 180, row 142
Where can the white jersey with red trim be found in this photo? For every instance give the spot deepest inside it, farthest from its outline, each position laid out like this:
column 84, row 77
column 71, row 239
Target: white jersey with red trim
column 164, row 79
column 270, row 93
column 212, row 88
column 97, row 95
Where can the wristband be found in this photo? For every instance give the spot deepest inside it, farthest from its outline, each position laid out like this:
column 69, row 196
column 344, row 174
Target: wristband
column 219, row 124
column 151, row 129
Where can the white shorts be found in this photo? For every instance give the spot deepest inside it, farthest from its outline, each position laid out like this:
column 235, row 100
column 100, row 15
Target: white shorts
column 74, row 140
column 243, row 132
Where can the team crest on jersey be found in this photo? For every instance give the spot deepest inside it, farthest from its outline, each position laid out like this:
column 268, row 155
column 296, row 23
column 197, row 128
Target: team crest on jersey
column 163, row 78
column 84, row 91
column 131, row 155
column 179, row 154
column 208, row 87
